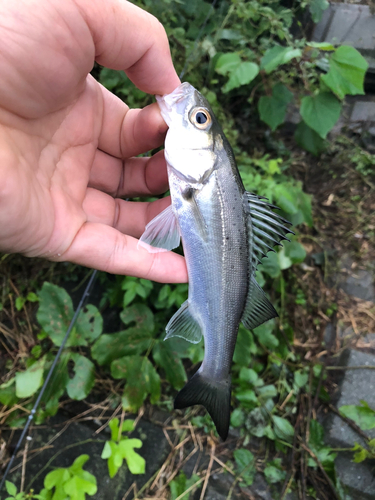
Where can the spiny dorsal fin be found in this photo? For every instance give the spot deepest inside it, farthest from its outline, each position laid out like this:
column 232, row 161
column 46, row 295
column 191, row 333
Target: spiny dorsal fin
column 268, row 228
column 182, row 324
column 162, row 233
column 258, row 308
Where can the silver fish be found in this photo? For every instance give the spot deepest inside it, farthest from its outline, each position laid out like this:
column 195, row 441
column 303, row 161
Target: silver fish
column 225, row 231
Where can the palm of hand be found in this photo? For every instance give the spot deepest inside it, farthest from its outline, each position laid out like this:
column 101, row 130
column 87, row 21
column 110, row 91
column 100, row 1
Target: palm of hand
column 64, row 139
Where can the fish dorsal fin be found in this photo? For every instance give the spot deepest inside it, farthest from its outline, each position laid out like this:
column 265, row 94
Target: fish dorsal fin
column 258, row 308
column 182, row 324
column 162, row 233
column 267, row 227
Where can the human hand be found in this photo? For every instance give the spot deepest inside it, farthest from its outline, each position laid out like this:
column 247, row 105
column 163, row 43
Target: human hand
column 67, row 144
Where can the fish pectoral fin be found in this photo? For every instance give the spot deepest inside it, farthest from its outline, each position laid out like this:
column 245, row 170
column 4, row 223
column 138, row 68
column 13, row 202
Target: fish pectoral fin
column 258, row 308
column 267, row 227
column 189, row 195
column 182, row 324
column 162, row 233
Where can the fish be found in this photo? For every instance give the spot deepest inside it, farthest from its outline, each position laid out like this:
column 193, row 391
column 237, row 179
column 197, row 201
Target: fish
column 225, row 232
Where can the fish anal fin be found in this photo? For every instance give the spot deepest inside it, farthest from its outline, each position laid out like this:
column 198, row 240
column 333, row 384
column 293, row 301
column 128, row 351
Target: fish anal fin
column 162, row 233
column 182, row 324
column 213, row 395
column 258, row 308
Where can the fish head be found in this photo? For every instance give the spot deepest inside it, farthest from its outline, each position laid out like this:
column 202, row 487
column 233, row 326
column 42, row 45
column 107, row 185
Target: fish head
column 193, row 135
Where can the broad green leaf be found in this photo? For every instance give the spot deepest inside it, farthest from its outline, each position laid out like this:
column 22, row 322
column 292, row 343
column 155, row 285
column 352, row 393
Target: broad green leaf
column 267, row 391
column 84, row 377
column 79, row 462
column 55, row 389
column 112, row 453
column 300, row 378
column 276, row 56
column 308, row 139
column 284, row 261
column 181, row 484
column 320, row 112
column 171, row 363
column 246, row 396
column 270, row 265
column 317, row 7
column 237, row 418
column 273, row 472
column 77, row 487
column 360, row 453
column 295, row 251
column 248, row 375
column 29, row 381
column 272, row 109
column 245, row 347
column 56, row 477
column 242, row 75
column 107, row 450
column 8, row 392
column 347, row 72
column 55, row 312
column 136, row 463
column 139, row 314
column 286, row 198
column 112, row 346
column 11, row 488
column 363, row 416
column 245, row 462
column 256, row 422
column 316, row 439
column 283, row 428
column 227, row 63
column 265, row 335
column 89, row 326
column 141, row 377
column 19, row 303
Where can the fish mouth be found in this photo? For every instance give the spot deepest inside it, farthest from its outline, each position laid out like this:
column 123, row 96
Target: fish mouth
column 168, row 103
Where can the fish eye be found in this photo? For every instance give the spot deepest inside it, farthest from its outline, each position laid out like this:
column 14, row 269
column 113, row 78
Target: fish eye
column 201, row 118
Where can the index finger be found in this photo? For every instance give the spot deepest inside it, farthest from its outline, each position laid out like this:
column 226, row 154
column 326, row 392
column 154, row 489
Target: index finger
column 130, row 39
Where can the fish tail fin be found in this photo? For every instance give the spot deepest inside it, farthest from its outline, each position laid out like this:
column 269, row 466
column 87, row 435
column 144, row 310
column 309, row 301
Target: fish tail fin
column 213, row 395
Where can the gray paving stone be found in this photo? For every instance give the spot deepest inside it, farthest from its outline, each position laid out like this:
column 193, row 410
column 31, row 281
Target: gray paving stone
column 356, row 282
column 349, row 24
column 355, row 385
column 363, row 111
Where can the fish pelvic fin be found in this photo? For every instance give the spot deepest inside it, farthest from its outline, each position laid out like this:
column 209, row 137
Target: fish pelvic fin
column 213, row 395
column 162, row 233
column 183, row 325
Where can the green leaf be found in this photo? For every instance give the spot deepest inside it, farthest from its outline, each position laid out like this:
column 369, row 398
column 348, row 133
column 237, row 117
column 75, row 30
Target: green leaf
column 245, row 347
column 227, row 63
column 107, row 450
column 32, row 297
column 300, row 378
column 256, row 422
column 8, row 393
column 273, row 472
column 277, row 56
column 237, row 418
column 248, row 375
column 295, row 251
column 320, row 112
column 171, row 363
column 139, row 314
column 112, row 346
column 242, row 75
column 83, row 381
column 267, row 391
column 283, row 428
column 89, row 326
column 11, row 488
column 321, row 45
column 347, row 72
column 360, row 453
column 363, row 416
column 271, row 265
column 308, row 139
column 136, row 463
column 56, row 477
column 78, row 486
column 29, row 381
column 317, row 7
column 272, row 110
column 245, row 462
column 55, row 312
column 141, row 377
column 19, row 303
column 265, row 335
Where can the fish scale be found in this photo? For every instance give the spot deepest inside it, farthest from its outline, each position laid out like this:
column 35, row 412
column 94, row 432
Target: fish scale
column 225, row 232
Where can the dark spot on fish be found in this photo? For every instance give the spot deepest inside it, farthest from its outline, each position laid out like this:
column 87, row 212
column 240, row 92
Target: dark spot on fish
column 188, row 193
